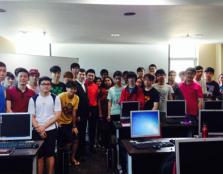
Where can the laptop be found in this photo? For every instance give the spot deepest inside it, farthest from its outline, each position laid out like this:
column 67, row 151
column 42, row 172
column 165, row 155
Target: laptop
column 126, row 108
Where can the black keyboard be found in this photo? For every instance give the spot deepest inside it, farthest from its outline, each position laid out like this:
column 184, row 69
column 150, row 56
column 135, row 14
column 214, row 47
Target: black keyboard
column 18, row 145
column 152, row 145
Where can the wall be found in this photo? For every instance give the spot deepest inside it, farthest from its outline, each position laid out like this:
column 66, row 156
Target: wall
column 6, row 46
column 114, row 57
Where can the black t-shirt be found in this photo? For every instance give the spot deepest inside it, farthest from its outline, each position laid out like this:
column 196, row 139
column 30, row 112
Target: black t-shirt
column 151, row 96
column 58, row 88
column 213, row 90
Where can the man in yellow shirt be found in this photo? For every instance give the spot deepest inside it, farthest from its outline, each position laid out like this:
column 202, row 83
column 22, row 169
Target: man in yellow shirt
column 67, row 133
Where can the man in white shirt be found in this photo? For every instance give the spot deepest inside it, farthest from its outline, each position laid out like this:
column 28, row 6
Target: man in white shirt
column 45, row 109
column 198, row 78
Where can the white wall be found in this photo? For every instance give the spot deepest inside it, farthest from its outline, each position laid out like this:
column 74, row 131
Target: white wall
column 42, row 63
column 114, row 57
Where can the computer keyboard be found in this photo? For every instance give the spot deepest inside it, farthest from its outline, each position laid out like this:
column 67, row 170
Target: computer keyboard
column 18, row 145
column 152, row 145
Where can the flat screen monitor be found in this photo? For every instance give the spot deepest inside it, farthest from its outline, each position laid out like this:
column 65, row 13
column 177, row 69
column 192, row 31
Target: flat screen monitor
column 127, row 107
column 15, row 126
column 213, row 105
column 175, row 109
column 214, row 121
column 145, row 124
column 200, row 155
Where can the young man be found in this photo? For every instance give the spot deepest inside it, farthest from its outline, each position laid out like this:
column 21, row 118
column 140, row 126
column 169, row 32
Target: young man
column 165, row 90
column 2, row 91
column 192, row 93
column 57, row 86
column 104, row 74
column 125, row 78
column 151, row 94
column 45, row 109
column 74, row 68
column 9, row 80
column 198, row 78
column 152, row 69
column 33, row 80
column 17, row 98
column 67, row 76
column 113, row 97
column 83, row 110
column 68, row 132
column 92, row 89
column 140, row 72
column 131, row 92
column 212, row 86
column 171, row 81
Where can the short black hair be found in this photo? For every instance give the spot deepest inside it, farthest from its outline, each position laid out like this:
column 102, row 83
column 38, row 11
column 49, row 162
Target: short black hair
column 132, row 74
column 210, row 70
column 97, row 78
column 140, row 69
column 160, row 72
column 74, row 65
column 44, row 78
column 199, row 67
column 71, row 84
column 149, row 76
column 90, row 71
column 171, row 71
column 152, row 65
column 191, row 69
column 16, row 71
column 55, row 69
column 19, row 70
column 2, row 64
column 125, row 73
column 103, row 71
column 82, row 70
column 10, row 75
column 117, row 73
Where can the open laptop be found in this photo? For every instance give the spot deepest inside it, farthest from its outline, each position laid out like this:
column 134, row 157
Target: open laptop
column 126, row 108
column 175, row 111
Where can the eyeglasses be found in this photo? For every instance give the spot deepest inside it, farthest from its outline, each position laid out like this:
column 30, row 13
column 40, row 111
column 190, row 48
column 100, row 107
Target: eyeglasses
column 45, row 84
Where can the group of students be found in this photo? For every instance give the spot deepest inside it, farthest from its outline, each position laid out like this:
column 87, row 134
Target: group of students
column 61, row 110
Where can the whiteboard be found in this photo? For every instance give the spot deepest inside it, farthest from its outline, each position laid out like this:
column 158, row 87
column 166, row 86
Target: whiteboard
column 42, row 63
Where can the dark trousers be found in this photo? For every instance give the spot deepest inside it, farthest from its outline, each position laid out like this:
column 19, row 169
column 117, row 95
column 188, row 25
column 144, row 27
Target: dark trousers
column 92, row 122
column 82, row 125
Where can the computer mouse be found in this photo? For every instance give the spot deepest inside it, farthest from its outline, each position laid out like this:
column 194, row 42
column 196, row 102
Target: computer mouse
column 35, row 146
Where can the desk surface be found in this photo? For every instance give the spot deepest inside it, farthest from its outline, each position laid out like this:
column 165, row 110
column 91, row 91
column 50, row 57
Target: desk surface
column 131, row 150
column 24, row 152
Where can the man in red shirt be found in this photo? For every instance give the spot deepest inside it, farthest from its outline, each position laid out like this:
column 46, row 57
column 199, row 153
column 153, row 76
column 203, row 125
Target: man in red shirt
column 92, row 89
column 17, row 98
column 192, row 93
column 131, row 92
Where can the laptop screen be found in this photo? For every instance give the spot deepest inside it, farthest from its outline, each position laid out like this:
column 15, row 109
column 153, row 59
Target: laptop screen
column 213, row 105
column 176, row 109
column 145, row 124
column 15, row 126
column 127, row 107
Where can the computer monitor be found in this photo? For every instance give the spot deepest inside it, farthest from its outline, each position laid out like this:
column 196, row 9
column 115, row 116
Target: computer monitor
column 213, row 104
column 15, row 126
column 145, row 124
column 127, row 107
column 200, row 155
column 213, row 119
column 175, row 109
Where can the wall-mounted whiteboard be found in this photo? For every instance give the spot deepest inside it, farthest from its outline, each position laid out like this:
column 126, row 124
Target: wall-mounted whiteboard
column 42, row 63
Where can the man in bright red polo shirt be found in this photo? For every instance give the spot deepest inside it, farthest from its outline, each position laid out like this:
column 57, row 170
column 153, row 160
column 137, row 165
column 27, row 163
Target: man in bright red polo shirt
column 17, row 98
column 192, row 93
column 92, row 89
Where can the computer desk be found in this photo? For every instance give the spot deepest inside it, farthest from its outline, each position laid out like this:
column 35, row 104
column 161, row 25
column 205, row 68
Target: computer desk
column 21, row 161
column 167, row 130
column 144, row 161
